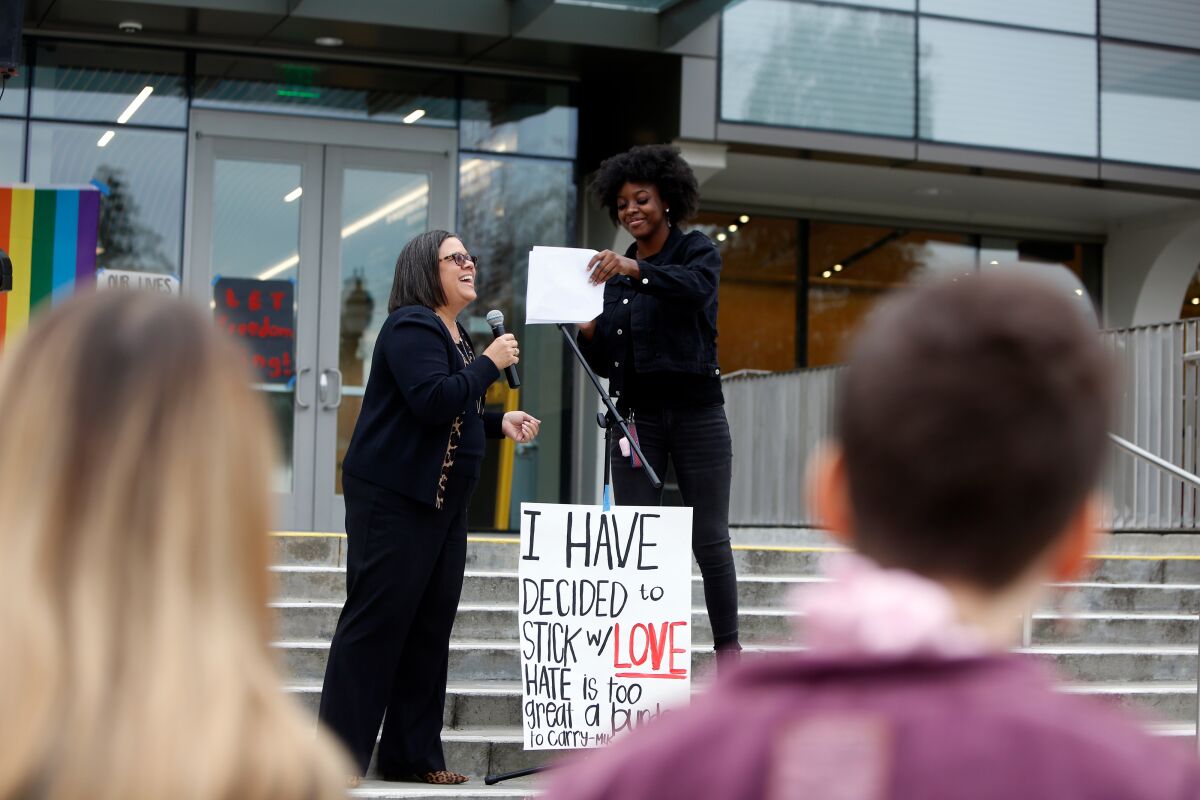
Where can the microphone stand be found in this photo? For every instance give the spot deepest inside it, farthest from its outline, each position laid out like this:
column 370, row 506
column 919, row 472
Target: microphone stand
column 612, row 418
column 607, row 420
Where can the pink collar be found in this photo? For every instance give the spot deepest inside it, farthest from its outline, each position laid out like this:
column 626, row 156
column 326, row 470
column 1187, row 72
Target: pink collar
column 868, row 610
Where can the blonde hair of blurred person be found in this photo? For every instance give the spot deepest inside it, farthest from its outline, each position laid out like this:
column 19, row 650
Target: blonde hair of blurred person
column 134, row 512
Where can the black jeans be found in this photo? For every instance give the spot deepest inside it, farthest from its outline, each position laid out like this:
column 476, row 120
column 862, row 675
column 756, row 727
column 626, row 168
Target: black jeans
column 697, row 442
column 404, row 575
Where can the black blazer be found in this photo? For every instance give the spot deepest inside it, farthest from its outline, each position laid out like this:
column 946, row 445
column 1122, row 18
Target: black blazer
column 670, row 312
column 418, row 386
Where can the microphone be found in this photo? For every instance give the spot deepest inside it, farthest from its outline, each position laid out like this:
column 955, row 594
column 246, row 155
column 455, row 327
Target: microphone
column 496, row 319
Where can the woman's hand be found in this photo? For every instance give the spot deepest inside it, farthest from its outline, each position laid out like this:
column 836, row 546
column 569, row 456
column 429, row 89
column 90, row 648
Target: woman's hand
column 520, row 427
column 607, row 264
column 503, row 351
column 587, row 330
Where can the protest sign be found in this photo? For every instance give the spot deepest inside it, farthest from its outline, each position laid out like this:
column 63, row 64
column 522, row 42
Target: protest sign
column 261, row 315
column 605, row 620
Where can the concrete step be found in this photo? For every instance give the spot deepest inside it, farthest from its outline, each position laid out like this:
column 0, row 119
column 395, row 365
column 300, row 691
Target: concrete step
column 474, row 704
column 304, row 661
column 313, row 620
column 491, row 660
column 1179, row 598
column 1115, row 628
column 500, row 553
column 472, row 790
column 1120, row 663
column 1163, row 701
column 297, row 582
column 317, row 620
column 469, row 704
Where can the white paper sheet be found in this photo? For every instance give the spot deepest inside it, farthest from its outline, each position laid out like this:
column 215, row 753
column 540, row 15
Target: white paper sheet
column 559, row 290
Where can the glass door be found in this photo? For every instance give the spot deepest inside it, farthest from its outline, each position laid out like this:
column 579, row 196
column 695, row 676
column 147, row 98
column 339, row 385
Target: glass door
column 293, row 247
column 255, row 253
column 375, row 202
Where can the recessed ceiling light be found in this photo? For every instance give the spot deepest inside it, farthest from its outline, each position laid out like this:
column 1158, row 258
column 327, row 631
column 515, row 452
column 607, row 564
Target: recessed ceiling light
column 129, row 26
column 827, row 274
column 837, row 267
column 414, row 116
column 743, row 219
column 733, row 228
column 721, row 237
column 994, row 263
column 1196, row 301
column 328, row 41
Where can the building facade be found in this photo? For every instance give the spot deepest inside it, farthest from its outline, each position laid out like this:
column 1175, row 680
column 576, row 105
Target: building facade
column 844, row 149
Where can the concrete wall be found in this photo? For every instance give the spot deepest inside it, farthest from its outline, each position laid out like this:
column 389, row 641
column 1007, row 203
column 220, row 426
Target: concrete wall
column 1148, row 264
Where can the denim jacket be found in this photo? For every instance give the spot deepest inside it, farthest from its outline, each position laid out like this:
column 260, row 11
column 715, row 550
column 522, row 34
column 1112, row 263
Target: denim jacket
column 670, row 311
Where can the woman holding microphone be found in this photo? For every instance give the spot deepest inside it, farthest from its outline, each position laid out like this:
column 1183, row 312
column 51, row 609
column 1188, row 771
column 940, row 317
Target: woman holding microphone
column 656, row 342
column 408, row 475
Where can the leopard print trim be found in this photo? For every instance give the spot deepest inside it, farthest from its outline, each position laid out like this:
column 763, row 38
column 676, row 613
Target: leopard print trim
column 464, row 351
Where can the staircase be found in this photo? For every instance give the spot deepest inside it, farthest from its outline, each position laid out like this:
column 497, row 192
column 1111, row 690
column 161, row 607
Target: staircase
column 1130, row 635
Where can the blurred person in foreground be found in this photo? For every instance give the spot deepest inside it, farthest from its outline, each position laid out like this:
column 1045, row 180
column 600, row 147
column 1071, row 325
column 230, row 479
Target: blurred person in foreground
column 971, row 426
column 134, row 518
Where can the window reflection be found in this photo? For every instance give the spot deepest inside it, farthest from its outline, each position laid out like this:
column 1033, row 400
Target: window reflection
column 12, row 150
column 325, row 90
column 757, row 308
column 1140, row 84
column 1025, row 90
column 852, row 267
column 506, row 206
column 104, row 84
column 508, row 117
column 800, row 65
column 140, row 176
column 12, row 101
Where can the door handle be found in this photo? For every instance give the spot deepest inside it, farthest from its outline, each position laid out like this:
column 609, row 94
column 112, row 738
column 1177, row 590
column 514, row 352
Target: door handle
column 324, row 389
column 300, row 404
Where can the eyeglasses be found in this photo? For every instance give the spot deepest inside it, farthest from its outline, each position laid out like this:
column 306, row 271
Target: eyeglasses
column 461, row 259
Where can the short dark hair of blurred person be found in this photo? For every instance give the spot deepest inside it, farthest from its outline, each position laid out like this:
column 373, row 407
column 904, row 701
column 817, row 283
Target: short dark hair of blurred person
column 134, row 514
column 971, row 428
column 407, row 477
column 656, row 342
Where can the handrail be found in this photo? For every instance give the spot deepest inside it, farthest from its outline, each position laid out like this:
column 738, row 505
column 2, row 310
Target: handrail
column 1161, row 463
column 1183, row 475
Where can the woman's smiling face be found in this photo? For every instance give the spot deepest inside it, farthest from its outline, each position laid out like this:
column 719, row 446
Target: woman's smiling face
column 640, row 209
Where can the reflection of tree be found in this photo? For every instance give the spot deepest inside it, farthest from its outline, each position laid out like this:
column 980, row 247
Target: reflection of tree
column 123, row 241
column 507, row 207
column 866, row 83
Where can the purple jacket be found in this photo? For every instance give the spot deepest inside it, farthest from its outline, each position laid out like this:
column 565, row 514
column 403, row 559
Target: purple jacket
column 797, row 726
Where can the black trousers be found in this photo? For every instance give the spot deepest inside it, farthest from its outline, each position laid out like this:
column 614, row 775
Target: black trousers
column 697, row 442
column 404, row 575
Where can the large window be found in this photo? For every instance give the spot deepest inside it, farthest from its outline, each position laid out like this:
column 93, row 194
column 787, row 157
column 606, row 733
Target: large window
column 989, row 86
column 811, row 66
column 795, row 291
column 1151, row 106
column 1115, row 80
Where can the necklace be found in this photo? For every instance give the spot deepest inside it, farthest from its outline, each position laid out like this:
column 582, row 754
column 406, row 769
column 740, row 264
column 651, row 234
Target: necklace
column 468, row 356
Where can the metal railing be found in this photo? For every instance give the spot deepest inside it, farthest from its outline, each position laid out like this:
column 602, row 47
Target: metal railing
column 779, row 419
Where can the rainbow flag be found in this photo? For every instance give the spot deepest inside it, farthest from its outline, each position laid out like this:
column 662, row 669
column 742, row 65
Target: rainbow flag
column 50, row 234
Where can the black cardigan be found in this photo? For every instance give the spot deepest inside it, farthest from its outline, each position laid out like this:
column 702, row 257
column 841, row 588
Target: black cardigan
column 418, row 386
